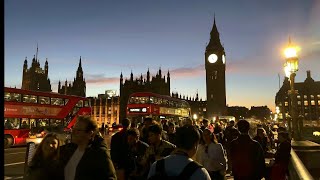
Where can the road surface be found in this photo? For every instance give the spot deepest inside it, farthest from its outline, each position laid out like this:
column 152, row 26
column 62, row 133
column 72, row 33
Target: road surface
column 14, row 159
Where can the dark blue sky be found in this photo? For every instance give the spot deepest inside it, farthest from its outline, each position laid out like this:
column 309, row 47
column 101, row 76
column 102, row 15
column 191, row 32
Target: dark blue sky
column 120, row 36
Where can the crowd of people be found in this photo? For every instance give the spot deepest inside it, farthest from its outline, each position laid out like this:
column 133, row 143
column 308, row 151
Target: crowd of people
column 165, row 150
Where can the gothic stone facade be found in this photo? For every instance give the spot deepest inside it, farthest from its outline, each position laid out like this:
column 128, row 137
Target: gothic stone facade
column 78, row 86
column 308, row 99
column 35, row 78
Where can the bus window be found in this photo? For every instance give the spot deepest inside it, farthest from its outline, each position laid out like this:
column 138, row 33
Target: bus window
column 12, row 97
column 44, row 100
column 165, row 102
column 56, row 125
column 29, row 98
column 11, row 123
column 16, row 97
column 86, row 103
column 57, row 101
column 33, row 123
column 132, row 100
column 151, row 100
column 7, row 96
column 66, row 101
column 80, row 103
column 42, row 122
column 25, row 123
column 142, row 100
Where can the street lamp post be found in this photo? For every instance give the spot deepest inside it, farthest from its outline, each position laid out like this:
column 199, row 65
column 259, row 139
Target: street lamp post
column 291, row 67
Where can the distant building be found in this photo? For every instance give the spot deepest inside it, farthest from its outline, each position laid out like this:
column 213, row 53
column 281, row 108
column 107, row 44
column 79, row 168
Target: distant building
column 78, row 86
column 308, row 99
column 105, row 110
column 35, row 78
column 156, row 84
column 198, row 106
column 262, row 113
column 239, row 112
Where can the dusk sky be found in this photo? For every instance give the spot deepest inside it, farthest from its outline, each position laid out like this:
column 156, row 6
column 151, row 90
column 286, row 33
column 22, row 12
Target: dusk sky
column 124, row 36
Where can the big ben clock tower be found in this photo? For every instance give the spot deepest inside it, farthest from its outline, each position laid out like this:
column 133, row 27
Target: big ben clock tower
column 215, row 64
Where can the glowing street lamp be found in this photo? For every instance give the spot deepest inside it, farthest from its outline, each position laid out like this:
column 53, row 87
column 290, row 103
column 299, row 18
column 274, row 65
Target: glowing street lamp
column 195, row 117
column 290, row 68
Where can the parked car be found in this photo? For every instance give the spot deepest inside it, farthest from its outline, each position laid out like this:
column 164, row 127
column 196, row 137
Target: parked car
column 114, row 129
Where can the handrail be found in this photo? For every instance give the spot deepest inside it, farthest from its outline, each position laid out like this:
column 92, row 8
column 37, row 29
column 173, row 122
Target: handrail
column 298, row 167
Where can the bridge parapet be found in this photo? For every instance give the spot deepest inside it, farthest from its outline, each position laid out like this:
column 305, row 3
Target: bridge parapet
column 305, row 160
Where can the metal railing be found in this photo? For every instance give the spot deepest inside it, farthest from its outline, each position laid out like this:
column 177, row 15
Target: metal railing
column 297, row 170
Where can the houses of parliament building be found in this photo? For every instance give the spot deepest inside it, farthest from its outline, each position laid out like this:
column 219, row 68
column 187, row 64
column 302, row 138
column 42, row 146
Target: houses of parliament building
column 35, row 78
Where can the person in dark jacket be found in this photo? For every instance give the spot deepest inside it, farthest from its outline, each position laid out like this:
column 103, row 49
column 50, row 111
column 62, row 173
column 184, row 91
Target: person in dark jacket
column 172, row 133
column 119, row 145
column 229, row 134
column 247, row 155
column 45, row 162
column 86, row 157
column 262, row 139
column 137, row 149
column 279, row 166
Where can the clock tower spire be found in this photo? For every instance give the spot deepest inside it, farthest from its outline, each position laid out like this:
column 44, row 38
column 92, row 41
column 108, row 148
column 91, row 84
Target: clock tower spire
column 215, row 75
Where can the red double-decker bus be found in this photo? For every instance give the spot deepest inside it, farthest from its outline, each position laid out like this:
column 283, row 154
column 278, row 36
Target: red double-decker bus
column 28, row 115
column 143, row 104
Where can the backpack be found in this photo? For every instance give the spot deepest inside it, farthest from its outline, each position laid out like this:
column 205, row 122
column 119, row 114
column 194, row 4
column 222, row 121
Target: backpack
column 186, row 173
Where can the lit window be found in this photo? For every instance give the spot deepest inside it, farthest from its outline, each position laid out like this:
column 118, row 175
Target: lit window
column 318, row 96
column 29, row 98
column 298, row 96
column 306, row 103
column 313, row 103
column 44, row 100
column 319, row 102
column 311, row 96
column 305, row 96
column 57, row 101
column 286, row 103
column 299, row 103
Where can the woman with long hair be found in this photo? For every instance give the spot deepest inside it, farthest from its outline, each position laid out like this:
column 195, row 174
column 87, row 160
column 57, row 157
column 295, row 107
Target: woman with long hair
column 212, row 155
column 45, row 161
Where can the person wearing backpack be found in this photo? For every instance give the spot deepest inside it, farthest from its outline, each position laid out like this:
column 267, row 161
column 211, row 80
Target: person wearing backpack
column 179, row 164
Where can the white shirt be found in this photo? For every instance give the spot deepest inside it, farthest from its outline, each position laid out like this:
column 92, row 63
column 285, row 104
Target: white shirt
column 214, row 159
column 70, row 169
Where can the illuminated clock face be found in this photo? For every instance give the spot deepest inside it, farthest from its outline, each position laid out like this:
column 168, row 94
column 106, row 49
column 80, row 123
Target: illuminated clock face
column 212, row 58
column 223, row 59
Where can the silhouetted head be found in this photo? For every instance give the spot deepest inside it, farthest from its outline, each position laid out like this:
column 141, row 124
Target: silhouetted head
column 231, row 123
column 188, row 121
column 154, row 133
column 243, row 126
column 147, row 121
column 205, row 122
column 283, row 136
column 126, row 123
column 133, row 136
column 187, row 138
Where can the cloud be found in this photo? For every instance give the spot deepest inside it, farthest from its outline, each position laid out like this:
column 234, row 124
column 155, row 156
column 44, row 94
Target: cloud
column 101, row 79
column 92, row 79
column 187, row 72
column 106, row 80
